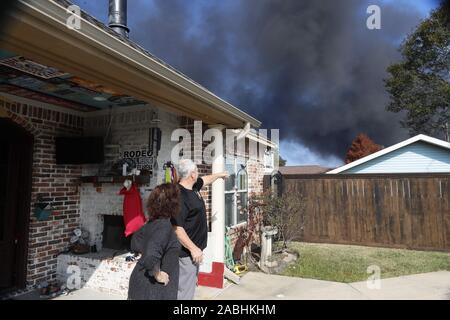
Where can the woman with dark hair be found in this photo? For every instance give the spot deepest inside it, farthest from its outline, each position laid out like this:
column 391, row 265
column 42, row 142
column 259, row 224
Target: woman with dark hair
column 155, row 276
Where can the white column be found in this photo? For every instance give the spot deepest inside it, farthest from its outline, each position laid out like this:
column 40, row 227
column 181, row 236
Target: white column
column 218, row 202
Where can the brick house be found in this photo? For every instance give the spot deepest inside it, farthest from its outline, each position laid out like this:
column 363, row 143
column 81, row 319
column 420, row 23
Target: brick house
column 92, row 81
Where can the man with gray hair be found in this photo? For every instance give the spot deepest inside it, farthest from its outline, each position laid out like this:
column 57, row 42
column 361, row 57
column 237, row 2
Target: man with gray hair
column 191, row 225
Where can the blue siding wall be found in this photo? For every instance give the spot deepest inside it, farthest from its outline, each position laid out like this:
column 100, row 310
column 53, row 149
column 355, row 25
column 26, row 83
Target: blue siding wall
column 416, row 157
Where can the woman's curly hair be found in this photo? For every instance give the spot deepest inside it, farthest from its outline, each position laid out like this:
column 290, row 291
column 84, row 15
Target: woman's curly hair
column 164, row 201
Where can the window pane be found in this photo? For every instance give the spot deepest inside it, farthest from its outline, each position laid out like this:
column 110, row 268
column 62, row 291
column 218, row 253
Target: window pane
column 229, row 206
column 240, row 160
column 242, row 183
column 242, row 207
column 230, row 182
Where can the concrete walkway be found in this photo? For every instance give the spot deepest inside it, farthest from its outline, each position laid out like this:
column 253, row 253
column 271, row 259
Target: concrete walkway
column 260, row 286
column 89, row 294
column 425, row 286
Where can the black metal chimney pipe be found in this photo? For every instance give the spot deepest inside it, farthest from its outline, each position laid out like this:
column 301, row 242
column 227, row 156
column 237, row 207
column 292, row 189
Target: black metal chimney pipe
column 117, row 18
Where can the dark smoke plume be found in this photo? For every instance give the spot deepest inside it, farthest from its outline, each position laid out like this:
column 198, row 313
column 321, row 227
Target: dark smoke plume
column 308, row 67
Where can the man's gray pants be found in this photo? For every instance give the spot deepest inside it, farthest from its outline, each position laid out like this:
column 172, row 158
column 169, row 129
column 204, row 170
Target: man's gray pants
column 187, row 279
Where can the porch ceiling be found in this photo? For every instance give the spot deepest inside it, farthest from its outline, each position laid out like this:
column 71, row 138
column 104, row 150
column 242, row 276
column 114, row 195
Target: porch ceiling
column 26, row 78
column 37, row 30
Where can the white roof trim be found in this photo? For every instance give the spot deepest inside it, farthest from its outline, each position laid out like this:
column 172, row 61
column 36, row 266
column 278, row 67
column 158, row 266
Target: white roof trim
column 420, row 137
column 261, row 139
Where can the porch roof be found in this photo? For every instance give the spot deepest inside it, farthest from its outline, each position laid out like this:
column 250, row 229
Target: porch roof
column 38, row 30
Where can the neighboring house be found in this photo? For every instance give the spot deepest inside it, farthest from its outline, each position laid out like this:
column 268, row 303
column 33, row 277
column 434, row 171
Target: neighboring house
column 419, row 154
column 92, row 81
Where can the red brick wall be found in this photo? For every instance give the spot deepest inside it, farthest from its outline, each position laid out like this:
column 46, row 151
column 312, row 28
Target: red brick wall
column 255, row 170
column 59, row 183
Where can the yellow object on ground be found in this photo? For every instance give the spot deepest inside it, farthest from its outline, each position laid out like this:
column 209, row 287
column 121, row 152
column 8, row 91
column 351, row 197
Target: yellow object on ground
column 238, row 269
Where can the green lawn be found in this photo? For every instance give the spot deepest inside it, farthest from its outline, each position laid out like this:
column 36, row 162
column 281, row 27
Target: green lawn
column 345, row 263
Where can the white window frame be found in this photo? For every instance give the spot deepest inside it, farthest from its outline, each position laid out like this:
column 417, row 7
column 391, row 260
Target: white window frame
column 235, row 191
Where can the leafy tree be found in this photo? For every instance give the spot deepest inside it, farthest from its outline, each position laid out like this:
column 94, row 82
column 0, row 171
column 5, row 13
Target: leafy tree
column 362, row 146
column 282, row 162
column 420, row 84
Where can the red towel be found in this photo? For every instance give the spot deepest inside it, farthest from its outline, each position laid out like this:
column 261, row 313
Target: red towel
column 133, row 216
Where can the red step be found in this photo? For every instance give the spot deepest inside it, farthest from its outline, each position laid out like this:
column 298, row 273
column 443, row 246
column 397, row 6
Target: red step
column 213, row 279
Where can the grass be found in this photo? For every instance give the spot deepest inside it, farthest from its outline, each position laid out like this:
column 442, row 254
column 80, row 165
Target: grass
column 345, row 263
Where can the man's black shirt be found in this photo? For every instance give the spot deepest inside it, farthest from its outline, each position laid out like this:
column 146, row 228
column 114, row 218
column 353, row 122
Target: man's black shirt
column 192, row 217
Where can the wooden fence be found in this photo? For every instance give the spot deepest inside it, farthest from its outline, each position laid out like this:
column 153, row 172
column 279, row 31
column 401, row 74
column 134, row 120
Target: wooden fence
column 395, row 210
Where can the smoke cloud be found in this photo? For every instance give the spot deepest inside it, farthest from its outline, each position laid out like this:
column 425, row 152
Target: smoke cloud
column 311, row 68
